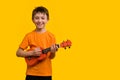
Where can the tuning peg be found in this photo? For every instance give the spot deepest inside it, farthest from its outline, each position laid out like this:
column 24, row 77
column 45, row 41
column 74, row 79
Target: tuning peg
column 65, row 48
column 68, row 43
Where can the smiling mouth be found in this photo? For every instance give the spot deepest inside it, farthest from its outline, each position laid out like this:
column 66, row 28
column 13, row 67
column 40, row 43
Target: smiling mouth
column 39, row 24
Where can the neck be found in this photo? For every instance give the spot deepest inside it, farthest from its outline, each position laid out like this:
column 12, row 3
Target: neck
column 40, row 30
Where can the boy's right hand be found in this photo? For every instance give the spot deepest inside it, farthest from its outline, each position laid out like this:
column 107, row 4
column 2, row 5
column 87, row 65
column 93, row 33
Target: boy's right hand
column 37, row 52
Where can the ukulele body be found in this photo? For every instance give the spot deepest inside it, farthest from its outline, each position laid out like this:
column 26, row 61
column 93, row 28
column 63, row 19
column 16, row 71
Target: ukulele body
column 33, row 60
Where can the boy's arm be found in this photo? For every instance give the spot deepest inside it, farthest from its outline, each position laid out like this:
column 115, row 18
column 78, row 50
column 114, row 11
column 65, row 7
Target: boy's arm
column 54, row 48
column 21, row 53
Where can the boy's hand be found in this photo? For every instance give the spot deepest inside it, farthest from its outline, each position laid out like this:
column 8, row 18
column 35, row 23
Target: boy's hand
column 54, row 48
column 37, row 52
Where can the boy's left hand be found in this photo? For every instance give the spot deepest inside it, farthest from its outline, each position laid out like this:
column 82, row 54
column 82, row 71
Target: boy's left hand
column 54, row 48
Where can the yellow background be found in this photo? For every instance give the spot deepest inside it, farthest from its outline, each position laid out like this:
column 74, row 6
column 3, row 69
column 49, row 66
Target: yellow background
column 91, row 25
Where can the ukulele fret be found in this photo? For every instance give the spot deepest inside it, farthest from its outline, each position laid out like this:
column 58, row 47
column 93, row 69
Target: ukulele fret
column 46, row 50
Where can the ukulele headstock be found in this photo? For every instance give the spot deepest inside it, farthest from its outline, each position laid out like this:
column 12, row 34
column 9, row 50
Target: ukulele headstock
column 66, row 44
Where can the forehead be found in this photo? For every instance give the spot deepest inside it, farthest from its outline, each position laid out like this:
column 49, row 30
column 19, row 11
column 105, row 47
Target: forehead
column 40, row 14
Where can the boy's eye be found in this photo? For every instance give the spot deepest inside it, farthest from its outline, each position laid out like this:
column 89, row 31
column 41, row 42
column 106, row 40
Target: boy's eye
column 42, row 18
column 36, row 17
column 39, row 18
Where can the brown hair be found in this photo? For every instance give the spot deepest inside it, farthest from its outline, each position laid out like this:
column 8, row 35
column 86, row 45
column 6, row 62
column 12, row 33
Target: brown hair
column 40, row 9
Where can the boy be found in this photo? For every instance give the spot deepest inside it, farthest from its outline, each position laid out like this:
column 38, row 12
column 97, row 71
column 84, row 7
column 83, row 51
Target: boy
column 39, row 37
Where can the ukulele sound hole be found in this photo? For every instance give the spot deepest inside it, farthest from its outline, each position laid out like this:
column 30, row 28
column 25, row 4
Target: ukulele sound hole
column 29, row 58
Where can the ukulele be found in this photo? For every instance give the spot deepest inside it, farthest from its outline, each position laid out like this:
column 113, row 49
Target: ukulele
column 31, row 61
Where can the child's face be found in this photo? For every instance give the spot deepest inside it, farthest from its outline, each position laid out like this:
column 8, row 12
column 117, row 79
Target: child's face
column 40, row 19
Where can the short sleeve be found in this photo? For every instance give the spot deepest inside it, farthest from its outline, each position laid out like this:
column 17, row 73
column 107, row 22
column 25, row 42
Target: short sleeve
column 24, row 43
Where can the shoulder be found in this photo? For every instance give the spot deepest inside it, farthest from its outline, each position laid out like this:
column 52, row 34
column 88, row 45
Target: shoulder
column 50, row 34
column 29, row 34
column 51, row 37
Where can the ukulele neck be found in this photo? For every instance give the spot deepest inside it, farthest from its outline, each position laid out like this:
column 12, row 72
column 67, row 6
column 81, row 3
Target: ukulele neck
column 49, row 49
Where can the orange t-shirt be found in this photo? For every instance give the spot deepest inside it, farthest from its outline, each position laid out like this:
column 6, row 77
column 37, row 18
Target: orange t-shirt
column 43, row 40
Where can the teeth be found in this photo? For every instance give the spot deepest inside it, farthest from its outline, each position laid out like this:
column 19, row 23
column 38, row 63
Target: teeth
column 39, row 24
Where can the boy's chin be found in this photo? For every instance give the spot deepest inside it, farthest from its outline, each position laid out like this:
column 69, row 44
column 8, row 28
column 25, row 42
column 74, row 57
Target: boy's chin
column 40, row 27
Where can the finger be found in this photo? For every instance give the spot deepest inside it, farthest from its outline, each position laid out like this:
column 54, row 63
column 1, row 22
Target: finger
column 55, row 47
column 38, row 49
column 52, row 47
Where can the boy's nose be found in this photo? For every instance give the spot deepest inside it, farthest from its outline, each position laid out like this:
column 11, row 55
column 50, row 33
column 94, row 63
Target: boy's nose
column 39, row 20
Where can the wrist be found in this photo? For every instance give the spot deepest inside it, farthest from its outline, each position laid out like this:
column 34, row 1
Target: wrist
column 30, row 53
